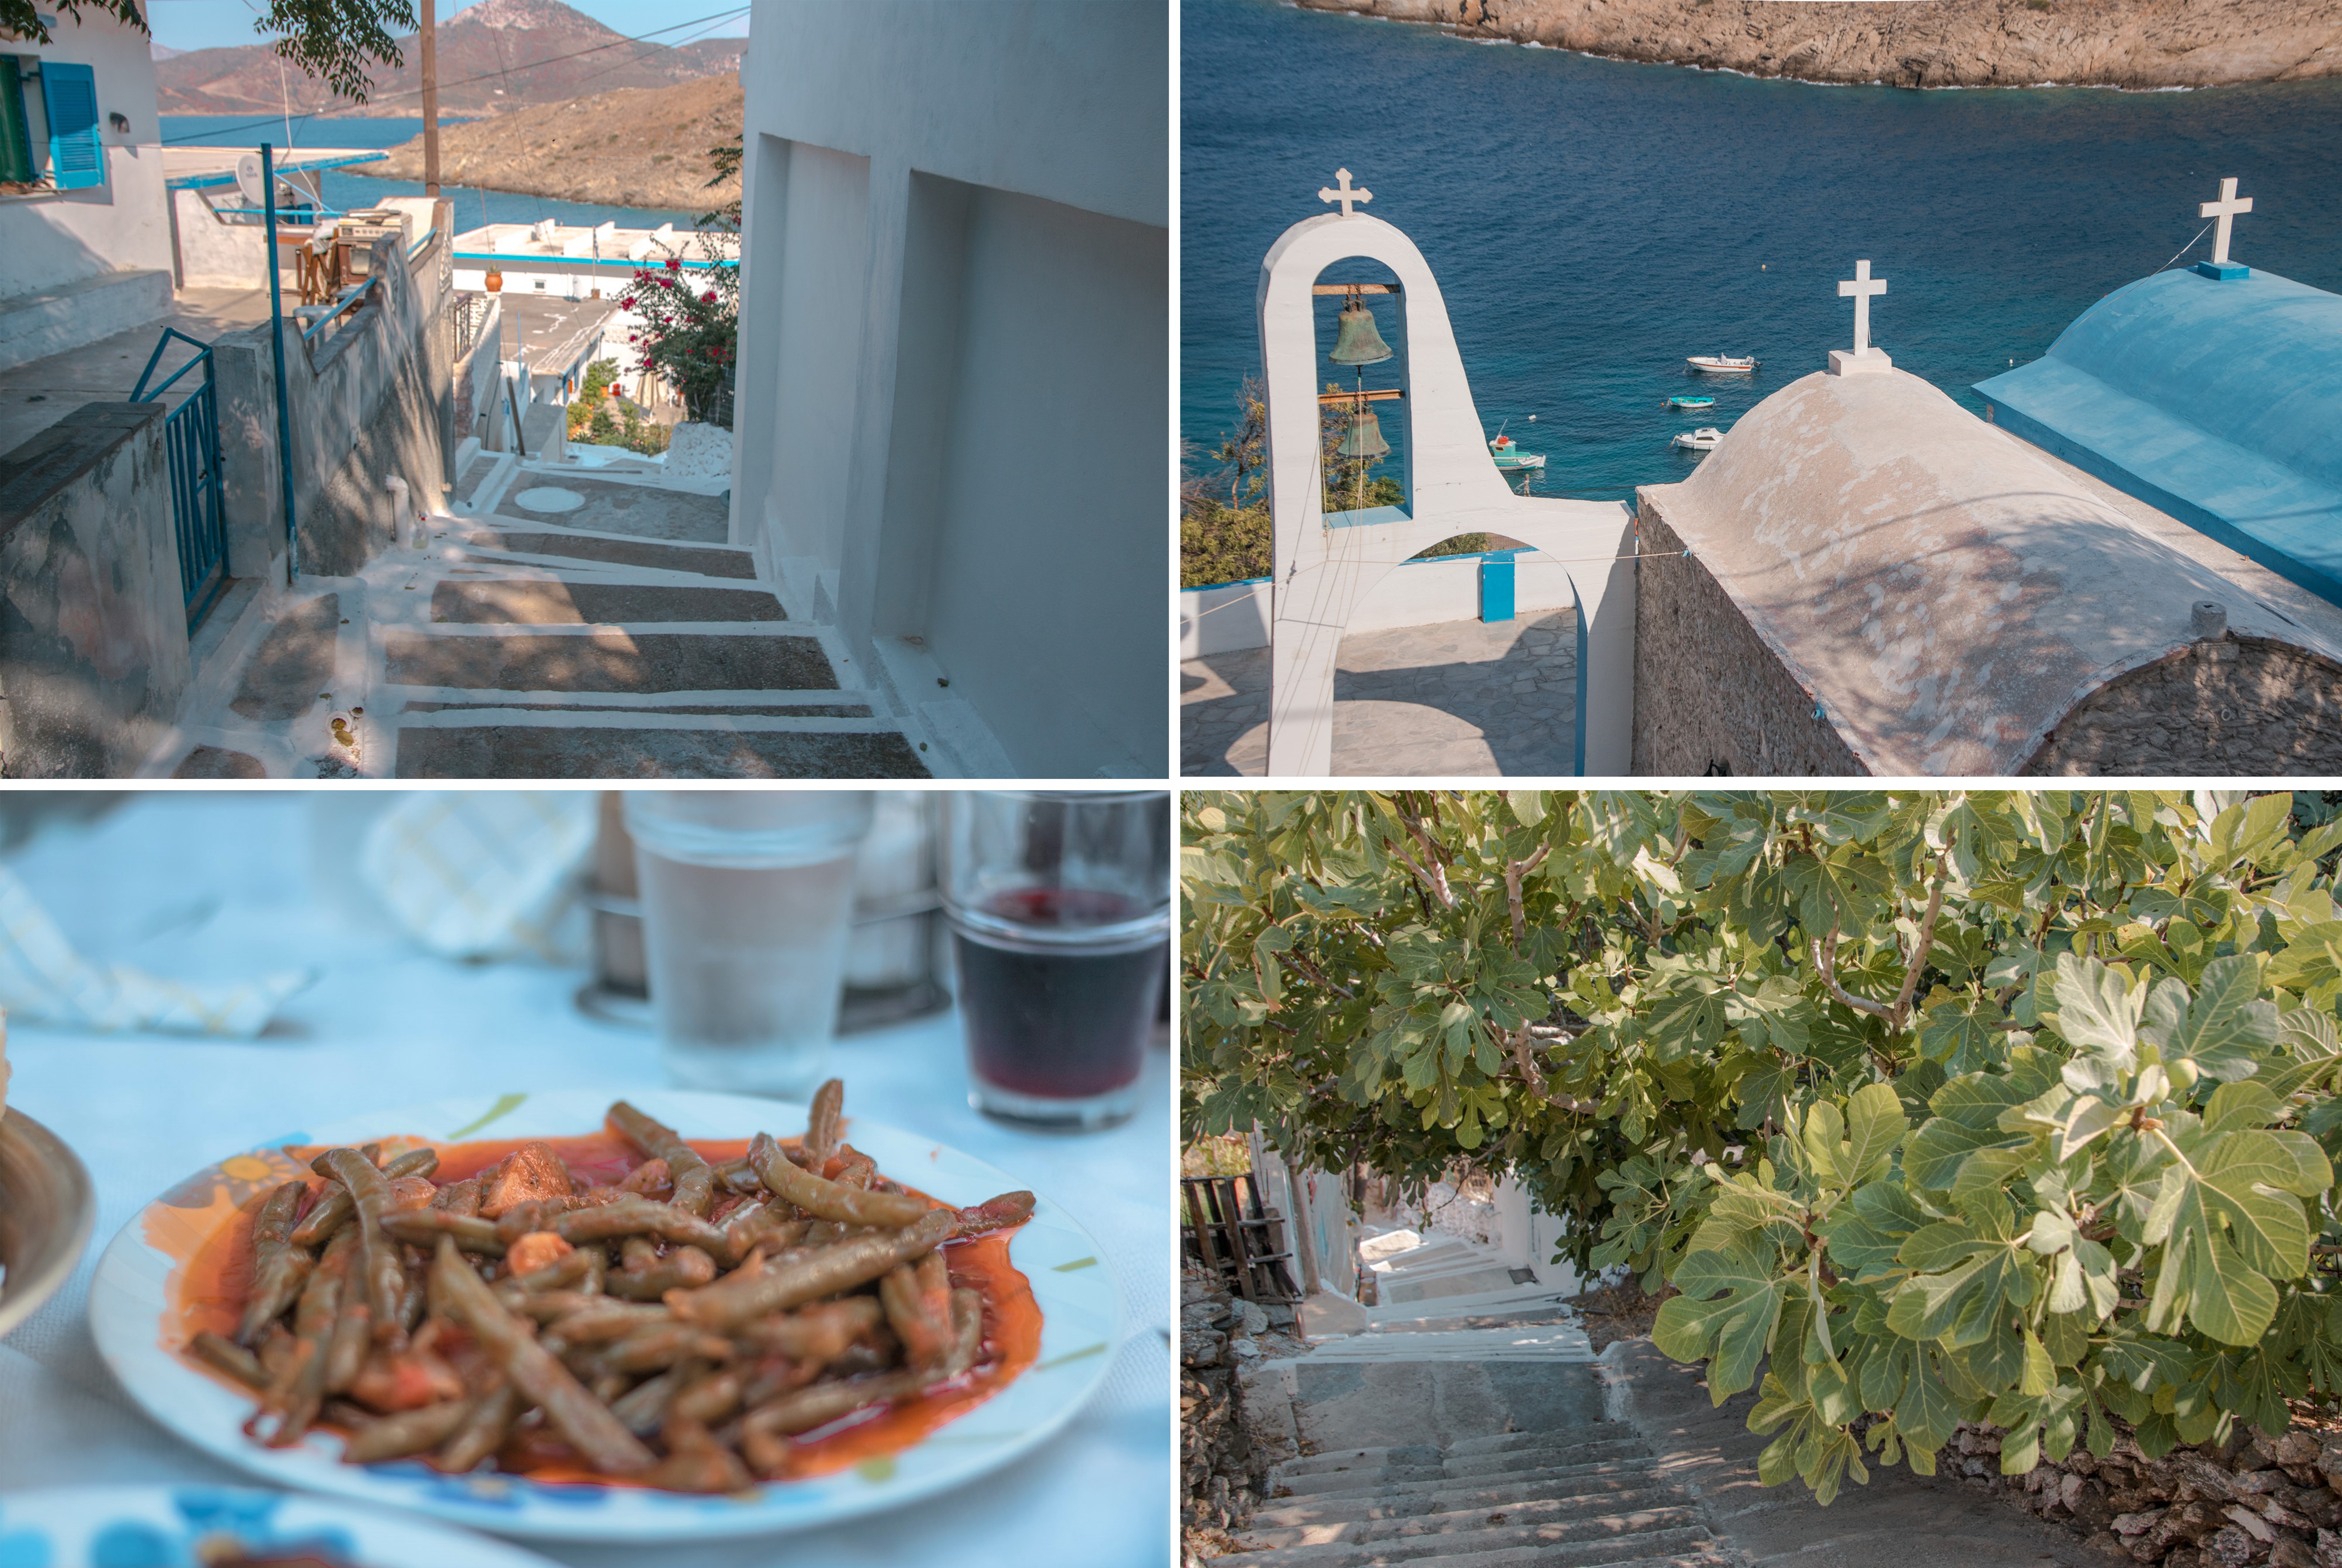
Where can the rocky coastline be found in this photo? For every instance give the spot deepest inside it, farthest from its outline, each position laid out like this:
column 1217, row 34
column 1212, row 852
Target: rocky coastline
column 2133, row 44
column 633, row 148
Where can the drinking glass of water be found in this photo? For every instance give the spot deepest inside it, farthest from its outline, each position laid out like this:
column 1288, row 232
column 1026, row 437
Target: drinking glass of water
column 748, row 900
column 1059, row 903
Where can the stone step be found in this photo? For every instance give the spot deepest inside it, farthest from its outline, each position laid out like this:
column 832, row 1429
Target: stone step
column 708, row 560
column 1562, row 1543
column 1647, row 1502
column 1545, row 1341
column 1494, row 1469
column 1625, row 1479
column 1462, row 1448
column 521, row 601
column 596, row 744
column 606, row 661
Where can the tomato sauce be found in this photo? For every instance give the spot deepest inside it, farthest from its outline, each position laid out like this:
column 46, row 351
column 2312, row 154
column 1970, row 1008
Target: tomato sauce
column 206, row 1227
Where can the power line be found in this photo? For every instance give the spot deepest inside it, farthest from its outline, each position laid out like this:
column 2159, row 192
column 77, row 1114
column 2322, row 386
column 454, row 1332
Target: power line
column 485, row 75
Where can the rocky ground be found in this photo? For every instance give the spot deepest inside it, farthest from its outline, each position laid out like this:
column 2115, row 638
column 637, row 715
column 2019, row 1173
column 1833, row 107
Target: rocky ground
column 1923, row 43
column 2250, row 1500
column 633, row 148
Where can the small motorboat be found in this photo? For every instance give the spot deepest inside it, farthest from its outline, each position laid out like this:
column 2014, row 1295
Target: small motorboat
column 1509, row 457
column 1722, row 363
column 1703, row 439
column 1687, row 401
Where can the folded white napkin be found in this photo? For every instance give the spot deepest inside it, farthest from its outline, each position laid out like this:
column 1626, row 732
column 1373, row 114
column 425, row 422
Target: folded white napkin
column 487, row 873
column 43, row 981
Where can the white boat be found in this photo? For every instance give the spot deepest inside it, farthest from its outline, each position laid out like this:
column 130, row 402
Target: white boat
column 1723, row 364
column 1703, row 439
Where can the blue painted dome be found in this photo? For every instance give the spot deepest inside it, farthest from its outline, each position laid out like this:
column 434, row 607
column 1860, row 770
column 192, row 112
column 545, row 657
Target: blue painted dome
column 2217, row 401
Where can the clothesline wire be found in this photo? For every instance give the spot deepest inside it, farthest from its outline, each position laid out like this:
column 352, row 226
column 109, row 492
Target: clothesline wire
column 2190, row 246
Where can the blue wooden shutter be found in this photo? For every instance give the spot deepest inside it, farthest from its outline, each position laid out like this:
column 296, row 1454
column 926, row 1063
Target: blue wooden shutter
column 76, row 157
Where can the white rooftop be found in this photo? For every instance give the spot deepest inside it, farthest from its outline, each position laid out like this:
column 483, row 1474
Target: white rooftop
column 553, row 239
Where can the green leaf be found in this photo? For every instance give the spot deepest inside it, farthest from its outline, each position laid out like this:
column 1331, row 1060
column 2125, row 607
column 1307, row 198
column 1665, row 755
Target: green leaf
column 1731, row 1299
column 1875, row 1123
column 2225, row 1029
column 2097, row 1013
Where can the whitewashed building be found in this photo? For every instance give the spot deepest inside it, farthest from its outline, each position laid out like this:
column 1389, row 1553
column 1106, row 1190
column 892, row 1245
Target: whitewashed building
column 84, row 228
column 952, row 393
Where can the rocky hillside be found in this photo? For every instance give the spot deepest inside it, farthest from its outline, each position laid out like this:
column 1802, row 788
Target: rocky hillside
column 493, row 58
column 629, row 148
column 1923, row 43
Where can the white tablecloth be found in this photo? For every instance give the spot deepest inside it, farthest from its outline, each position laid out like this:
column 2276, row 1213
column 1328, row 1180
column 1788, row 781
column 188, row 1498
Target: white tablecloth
column 225, row 885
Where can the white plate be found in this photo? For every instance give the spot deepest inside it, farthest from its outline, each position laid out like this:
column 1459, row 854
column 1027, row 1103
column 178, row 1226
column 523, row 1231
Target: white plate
column 131, row 1315
column 163, row 1526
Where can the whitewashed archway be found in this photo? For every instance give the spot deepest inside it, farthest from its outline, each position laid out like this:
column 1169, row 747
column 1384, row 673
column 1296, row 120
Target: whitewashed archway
column 1324, row 565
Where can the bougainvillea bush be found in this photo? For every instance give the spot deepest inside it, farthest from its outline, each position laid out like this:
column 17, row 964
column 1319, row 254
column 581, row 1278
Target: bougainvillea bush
column 2014, row 1107
column 689, row 332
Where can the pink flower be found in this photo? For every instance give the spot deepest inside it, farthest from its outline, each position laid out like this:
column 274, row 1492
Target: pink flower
column 707, row 299
column 673, row 265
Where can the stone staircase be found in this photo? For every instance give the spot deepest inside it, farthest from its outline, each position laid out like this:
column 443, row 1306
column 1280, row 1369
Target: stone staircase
column 1469, row 1441
column 1587, row 1498
column 567, row 623
column 555, row 621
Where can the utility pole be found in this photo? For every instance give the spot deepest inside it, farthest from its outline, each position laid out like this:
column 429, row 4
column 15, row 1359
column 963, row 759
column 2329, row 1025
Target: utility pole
column 430, row 99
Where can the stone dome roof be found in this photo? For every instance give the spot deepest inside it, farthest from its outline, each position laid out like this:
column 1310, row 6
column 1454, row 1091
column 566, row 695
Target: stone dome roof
column 1944, row 592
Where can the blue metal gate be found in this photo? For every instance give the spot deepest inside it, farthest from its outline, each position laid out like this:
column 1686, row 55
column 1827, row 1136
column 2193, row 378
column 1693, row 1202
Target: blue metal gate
column 191, row 435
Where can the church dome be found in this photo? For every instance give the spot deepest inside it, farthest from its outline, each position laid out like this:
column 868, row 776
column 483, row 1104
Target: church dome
column 1931, row 596
column 2213, row 400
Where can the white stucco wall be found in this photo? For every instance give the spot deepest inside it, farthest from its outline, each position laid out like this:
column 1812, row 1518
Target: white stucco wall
column 955, row 373
column 1231, row 617
column 68, row 236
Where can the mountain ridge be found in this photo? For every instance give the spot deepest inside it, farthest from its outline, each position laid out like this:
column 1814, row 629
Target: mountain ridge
column 493, row 58
column 635, row 147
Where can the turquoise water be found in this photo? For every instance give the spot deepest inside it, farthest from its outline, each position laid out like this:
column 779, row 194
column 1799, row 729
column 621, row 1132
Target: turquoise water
column 345, row 191
column 1591, row 222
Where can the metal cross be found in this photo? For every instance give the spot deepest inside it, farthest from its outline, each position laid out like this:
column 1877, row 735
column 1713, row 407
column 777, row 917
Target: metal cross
column 1862, row 286
column 2225, row 209
column 1346, row 196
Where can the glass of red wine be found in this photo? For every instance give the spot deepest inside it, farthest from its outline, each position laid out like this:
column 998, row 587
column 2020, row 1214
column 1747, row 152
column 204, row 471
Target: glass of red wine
column 1059, row 903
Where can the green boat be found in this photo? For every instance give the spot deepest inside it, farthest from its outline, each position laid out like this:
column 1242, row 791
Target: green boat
column 1691, row 403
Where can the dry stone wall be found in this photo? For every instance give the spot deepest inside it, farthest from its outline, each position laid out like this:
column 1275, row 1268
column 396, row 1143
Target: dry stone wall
column 2250, row 1500
column 1221, row 1472
column 2231, row 706
column 1710, row 696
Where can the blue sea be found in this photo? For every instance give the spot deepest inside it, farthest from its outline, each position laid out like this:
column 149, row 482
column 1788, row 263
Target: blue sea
column 1592, row 222
column 344, row 190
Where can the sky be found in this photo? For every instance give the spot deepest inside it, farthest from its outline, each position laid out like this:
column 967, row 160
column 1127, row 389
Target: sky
column 223, row 24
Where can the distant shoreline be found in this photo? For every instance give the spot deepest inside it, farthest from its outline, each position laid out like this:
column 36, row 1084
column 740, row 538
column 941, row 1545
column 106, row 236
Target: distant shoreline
column 2134, row 46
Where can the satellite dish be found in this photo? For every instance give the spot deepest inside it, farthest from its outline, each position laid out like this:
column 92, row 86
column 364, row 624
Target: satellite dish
column 247, row 179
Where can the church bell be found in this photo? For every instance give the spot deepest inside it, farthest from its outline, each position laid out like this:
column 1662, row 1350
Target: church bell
column 1357, row 342
column 1366, row 437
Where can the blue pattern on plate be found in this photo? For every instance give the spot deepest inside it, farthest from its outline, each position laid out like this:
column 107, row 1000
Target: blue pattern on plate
column 209, row 1512
column 22, row 1548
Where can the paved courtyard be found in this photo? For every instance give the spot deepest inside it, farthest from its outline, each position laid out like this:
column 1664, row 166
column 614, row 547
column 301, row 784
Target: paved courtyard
column 1458, row 697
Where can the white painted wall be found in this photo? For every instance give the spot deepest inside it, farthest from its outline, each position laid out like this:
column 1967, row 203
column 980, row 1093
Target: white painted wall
column 124, row 224
column 1224, row 619
column 954, row 365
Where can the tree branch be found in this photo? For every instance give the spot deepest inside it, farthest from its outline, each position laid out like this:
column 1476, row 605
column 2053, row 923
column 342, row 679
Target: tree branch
column 1918, row 960
column 1301, row 961
column 1826, row 961
column 1514, row 871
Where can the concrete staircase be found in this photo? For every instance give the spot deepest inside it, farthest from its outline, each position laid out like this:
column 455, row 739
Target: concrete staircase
column 566, row 623
column 1516, row 1500
column 1498, row 1461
